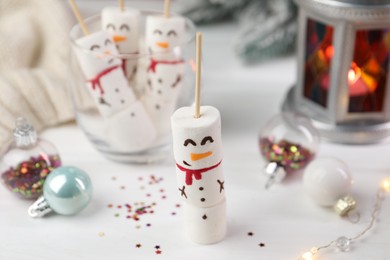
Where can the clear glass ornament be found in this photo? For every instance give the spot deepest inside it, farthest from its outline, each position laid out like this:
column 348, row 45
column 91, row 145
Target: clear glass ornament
column 26, row 161
column 288, row 142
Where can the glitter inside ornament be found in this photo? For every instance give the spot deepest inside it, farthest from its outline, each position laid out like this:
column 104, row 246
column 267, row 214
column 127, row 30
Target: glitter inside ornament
column 27, row 161
column 343, row 244
column 288, row 143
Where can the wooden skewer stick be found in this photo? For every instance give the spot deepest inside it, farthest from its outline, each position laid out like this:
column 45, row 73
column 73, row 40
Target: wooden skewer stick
column 167, row 7
column 79, row 17
column 122, row 5
column 198, row 73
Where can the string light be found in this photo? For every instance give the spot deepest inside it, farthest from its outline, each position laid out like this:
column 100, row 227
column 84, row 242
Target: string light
column 343, row 243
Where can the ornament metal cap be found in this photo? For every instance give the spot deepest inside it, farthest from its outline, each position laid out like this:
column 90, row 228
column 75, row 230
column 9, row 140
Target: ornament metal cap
column 275, row 172
column 39, row 208
column 346, row 206
column 24, row 133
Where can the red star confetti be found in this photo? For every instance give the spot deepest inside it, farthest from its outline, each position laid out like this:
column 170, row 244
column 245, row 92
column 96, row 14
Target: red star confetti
column 158, row 252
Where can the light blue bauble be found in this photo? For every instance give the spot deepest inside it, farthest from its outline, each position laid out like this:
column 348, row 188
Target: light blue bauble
column 67, row 190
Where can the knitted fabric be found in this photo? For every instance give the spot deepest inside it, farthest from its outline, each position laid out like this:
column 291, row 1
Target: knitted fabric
column 34, row 55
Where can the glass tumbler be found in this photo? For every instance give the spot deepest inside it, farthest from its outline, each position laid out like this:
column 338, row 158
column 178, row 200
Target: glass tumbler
column 124, row 99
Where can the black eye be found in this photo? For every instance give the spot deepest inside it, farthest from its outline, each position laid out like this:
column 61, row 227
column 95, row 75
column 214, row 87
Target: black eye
column 172, row 33
column 189, row 141
column 157, row 32
column 107, row 42
column 110, row 25
column 160, row 81
column 124, row 27
column 207, row 138
column 93, row 47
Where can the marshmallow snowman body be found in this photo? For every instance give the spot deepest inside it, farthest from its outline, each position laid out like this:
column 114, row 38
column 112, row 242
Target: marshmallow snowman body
column 164, row 36
column 163, row 88
column 197, row 149
column 165, row 80
column 123, row 26
column 205, row 225
column 131, row 130
column 102, row 69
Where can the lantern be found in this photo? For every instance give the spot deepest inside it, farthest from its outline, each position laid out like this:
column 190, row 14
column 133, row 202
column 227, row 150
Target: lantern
column 343, row 69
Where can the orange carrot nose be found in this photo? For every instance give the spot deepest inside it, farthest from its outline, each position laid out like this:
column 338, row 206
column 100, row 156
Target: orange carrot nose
column 199, row 156
column 164, row 45
column 119, row 38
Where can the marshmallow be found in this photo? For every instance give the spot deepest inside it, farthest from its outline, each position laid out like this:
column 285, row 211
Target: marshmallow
column 131, row 130
column 165, row 81
column 205, row 225
column 197, row 149
column 104, row 75
column 160, row 112
column 123, row 26
column 96, row 52
column 197, row 141
column 163, row 35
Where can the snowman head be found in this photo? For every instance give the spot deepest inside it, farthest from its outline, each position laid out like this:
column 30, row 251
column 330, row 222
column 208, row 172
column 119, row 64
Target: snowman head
column 97, row 52
column 197, row 141
column 123, row 27
column 164, row 34
column 166, row 81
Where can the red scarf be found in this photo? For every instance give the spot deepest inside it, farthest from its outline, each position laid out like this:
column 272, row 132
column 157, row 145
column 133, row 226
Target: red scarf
column 196, row 173
column 154, row 63
column 96, row 80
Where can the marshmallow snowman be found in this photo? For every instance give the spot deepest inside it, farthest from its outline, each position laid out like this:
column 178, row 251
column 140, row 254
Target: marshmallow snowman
column 197, row 148
column 205, row 225
column 164, row 35
column 131, row 130
column 105, row 78
column 123, row 26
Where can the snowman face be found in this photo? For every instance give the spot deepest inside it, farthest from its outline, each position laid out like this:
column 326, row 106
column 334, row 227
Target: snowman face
column 99, row 53
column 166, row 81
column 200, row 152
column 123, row 27
column 163, row 34
column 197, row 142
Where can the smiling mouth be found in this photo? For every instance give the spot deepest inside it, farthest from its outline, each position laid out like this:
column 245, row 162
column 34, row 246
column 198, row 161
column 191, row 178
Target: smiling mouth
column 186, row 163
